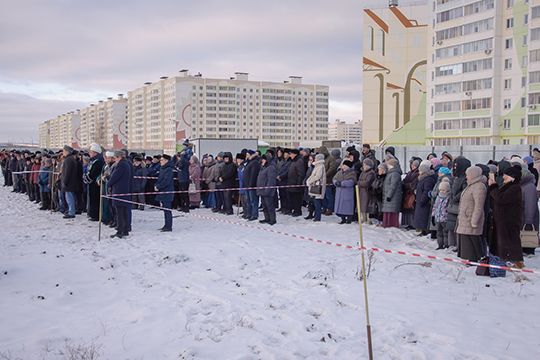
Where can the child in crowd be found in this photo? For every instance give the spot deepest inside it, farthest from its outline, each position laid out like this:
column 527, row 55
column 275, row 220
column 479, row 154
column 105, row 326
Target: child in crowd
column 440, row 213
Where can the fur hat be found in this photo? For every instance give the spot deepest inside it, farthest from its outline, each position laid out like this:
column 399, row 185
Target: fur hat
column 166, row 157
column 392, row 162
column 514, row 173
column 296, row 151
column 120, row 153
column 271, row 152
column 95, row 147
column 109, row 153
column 241, row 156
column 348, row 163
column 137, row 158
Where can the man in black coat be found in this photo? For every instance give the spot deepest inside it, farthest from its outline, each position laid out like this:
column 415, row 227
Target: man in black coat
column 70, row 180
column 251, row 172
column 296, row 177
column 93, row 172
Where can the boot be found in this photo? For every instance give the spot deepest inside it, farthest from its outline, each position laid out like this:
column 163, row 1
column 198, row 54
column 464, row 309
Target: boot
column 311, row 208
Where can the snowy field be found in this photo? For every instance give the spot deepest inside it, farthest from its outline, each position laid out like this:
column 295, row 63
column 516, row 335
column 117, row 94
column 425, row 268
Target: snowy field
column 212, row 290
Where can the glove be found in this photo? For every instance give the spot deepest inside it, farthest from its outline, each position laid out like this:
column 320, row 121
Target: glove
column 388, row 199
column 338, row 183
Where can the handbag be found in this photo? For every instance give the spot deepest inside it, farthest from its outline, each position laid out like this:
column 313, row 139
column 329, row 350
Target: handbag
column 483, row 270
column 491, row 271
column 192, row 188
column 529, row 238
column 315, row 189
column 410, row 199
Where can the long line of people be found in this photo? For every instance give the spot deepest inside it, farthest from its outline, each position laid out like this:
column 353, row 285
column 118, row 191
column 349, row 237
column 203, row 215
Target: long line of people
column 466, row 208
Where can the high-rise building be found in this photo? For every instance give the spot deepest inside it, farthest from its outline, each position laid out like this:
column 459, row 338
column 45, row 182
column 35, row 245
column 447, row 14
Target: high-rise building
column 394, row 75
column 164, row 113
column 484, row 72
column 341, row 130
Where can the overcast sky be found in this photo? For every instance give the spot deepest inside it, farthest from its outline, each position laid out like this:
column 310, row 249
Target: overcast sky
column 61, row 55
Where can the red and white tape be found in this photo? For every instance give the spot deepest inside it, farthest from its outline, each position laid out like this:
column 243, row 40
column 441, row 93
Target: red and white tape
column 386, row 251
column 208, row 190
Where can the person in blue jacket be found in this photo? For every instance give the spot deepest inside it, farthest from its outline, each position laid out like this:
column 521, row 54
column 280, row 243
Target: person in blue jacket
column 165, row 183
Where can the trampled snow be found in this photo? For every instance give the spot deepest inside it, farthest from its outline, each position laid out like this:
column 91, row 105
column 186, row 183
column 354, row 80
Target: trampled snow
column 213, row 290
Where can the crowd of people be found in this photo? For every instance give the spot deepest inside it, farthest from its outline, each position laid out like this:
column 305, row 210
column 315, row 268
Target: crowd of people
column 471, row 209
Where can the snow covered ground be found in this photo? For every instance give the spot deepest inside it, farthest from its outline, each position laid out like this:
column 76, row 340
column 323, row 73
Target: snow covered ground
column 212, row 290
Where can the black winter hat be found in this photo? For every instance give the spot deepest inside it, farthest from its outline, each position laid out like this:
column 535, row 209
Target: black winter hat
column 241, row 156
column 295, row 151
column 514, row 173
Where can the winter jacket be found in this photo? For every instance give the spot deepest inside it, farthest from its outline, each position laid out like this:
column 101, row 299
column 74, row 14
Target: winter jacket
column 165, row 182
column 120, row 183
column 459, row 184
column 471, row 207
column 195, row 178
column 422, row 210
column 344, row 202
column 93, row 170
column 43, row 179
column 267, row 178
column 409, row 186
column 504, row 240
column 251, row 172
column 530, row 201
column 284, row 172
column 370, row 155
column 139, row 184
column 440, row 209
column 182, row 169
column 365, row 180
column 317, row 177
column 35, row 172
column 392, row 191
column 296, row 174
column 228, row 172
column 70, row 180
column 329, row 164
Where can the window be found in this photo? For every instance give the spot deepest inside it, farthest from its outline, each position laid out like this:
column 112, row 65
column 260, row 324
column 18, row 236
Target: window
column 522, row 123
column 510, row 23
column 477, row 84
column 478, row 65
column 535, row 34
column 478, row 7
column 477, row 46
column 534, row 120
column 534, row 55
column 534, row 99
column 449, row 15
column 507, row 104
column 447, row 106
column 476, row 123
column 525, row 37
column 506, row 142
column 524, row 61
column 449, row 33
column 506, row 124
column 523, row 102
column 534, row 77
column 448, row 88
column 526, row 19
column 448, row 52
column 446, row 124
column 535, row 12
column 509, row 43
column 507, row 64
column 475, row 104
column 523, row 81
column 476, row 141
column 446, row 142
column 369, row 38
column 380, row 42
column 449, row 70
column 507, row 84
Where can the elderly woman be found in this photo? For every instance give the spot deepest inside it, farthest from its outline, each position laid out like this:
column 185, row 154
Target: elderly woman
column 422, row 210
column 366, row 178
column 195, row 178
column 409, row 186
column 392, row 194
column 530, row 205
column 317, row 177
column 345, row 181
column 504, row 240
column 470, row 220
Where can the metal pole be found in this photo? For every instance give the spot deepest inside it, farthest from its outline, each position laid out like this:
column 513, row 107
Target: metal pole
column 100, row 206
column 52, row 191
column 368, row 328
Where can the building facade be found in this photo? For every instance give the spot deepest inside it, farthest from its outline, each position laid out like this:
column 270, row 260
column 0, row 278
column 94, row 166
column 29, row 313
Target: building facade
column 484, row 83
column 395, row 75
column 340, row 130
column 162, row 114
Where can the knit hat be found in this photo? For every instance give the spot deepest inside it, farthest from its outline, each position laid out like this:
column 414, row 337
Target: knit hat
column 368, row 162
column 444, row 170
column 95, row 147
column 109, row 154
column 319, row 157
column 68, row 148
column 335, row 153
column 220, row 154
column 529, row 160
column 383, row 167
column 492, row 168
column 425, row 165
column 444, row 185
column 392, row 162
column 416, row 163
column 348, row 163
column 513, row 173
column 474, row 172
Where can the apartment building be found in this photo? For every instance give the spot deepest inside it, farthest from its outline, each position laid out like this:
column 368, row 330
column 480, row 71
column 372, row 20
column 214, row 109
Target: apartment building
column 395, row 75
column 484, row 66
column 341, row 130
column 162, row 114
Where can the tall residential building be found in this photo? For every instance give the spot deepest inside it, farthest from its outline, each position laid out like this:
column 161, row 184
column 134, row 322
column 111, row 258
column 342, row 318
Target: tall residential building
column 163, row 113
column 340, row 130
column 104, row 123
column 484, row 72
column 395, row 75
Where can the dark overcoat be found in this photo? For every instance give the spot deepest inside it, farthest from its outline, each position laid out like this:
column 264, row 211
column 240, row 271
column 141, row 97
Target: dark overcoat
column 422, row 210
column 165, row 182
column 120, row 183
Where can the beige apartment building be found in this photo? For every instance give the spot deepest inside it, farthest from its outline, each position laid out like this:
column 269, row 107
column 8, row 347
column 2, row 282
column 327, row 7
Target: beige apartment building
column 162, row 114
column 341, row 130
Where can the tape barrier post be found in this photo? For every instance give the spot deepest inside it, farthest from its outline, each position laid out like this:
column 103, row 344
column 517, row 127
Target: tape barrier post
column 100, row 207
column 370, row 346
